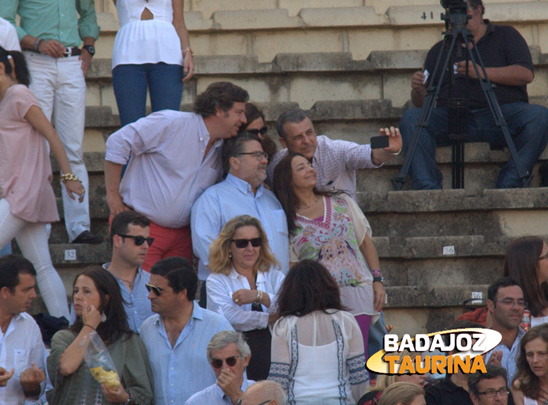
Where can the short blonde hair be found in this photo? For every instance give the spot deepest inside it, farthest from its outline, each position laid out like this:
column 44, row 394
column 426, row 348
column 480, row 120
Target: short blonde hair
column 400, row 393
column 219, row 259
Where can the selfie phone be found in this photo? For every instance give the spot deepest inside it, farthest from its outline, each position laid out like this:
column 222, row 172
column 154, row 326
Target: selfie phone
column 378, row 142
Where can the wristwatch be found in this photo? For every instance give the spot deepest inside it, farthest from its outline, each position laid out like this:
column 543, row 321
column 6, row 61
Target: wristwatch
column 90, row 49
column 129, row 401
column 378, row 279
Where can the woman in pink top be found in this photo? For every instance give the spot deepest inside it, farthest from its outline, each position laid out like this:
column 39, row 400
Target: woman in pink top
column 27, row 202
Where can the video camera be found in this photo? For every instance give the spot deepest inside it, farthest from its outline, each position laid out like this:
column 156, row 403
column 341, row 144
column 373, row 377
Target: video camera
column 456, row 12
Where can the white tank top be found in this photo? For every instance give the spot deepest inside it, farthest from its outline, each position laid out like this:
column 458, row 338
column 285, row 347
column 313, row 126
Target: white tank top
column 146, row 41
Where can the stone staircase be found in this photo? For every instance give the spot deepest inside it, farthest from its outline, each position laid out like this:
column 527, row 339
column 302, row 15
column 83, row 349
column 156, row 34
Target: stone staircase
column 348, row 62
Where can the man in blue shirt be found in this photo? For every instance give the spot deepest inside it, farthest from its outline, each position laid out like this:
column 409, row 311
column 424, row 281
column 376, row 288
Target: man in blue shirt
column 130, row 234
column 229, row 355
column 506, row 303
column 176, row 337
column 241, row 193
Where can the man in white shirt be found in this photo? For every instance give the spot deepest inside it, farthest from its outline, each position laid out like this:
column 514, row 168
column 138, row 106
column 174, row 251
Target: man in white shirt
column 228, row 354
column 22, row 352
column 175, row 156
column 8, row 36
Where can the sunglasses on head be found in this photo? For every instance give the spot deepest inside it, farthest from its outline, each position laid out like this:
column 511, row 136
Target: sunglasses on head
column 242, row 243
column 139, row 240
column 261, row 131
column 156, row 290
column 230, row 362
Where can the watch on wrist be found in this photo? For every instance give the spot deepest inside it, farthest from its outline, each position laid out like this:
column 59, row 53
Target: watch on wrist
column 378, row 279
column 90, row 49
column 129, row 401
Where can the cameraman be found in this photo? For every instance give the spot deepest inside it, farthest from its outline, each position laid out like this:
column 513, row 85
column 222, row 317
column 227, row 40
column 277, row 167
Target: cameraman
column 509, row 65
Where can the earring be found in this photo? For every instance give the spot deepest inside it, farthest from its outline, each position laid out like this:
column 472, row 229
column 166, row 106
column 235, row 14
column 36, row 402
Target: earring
column 230, row 255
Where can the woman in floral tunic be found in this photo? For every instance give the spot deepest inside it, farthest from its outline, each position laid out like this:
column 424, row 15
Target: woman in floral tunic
column 331, row 229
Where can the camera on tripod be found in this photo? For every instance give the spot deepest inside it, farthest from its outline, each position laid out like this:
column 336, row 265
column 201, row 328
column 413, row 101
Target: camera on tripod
column 456, row 12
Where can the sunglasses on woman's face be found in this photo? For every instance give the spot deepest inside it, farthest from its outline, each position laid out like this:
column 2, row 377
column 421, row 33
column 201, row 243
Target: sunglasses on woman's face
column 261, row 131
column 230, row 362
column 139, row 240
column 242, row 243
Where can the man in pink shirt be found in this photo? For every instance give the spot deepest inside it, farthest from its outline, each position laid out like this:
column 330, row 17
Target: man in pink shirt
column 175, row 156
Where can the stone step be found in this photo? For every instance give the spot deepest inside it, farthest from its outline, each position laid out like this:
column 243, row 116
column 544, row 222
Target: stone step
column 359, row 29
column 301, row 78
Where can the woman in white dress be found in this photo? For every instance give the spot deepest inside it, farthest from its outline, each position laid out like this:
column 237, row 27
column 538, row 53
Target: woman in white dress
column 317, row 347
column 531, row 382
column 243, row 286
column 526, row 261
column 151, row 50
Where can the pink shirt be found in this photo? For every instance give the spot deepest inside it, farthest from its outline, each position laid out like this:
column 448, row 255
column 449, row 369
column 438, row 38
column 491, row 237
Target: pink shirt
column 25, row 167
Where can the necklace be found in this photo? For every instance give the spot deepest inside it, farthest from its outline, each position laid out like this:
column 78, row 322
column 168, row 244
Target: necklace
column 311, row 205
column 129, row 283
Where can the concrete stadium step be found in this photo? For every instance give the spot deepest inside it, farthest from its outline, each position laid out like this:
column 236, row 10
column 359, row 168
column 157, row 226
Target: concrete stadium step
column 301, row 78
column 359, row 29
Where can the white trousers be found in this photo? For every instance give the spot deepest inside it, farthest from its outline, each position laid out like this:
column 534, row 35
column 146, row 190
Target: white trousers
column 60, row 87
column 32, row 239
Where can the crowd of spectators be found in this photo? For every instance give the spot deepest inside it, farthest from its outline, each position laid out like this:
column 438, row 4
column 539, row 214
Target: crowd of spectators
column 289, row 281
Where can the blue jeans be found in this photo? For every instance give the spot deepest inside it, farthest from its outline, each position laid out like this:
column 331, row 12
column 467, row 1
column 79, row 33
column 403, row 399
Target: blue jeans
column 528, row 125
column 130, row 82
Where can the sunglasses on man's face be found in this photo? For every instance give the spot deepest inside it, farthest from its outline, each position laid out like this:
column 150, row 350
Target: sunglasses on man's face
column 261, row 131
column 243, row 243
column 230, row 362
column 156, row 290
column 139, row 240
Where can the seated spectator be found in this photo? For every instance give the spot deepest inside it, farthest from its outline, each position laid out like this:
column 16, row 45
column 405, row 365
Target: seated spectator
column 228, row 354
column 130, row 234
column 264, row 392
column 22, row 370
column 99, row 309
column 453, row 389
column 385, row 380
column 243, row 286
column 403, row 393
column 526, row 261
column 241, row 193
column 256, row 125
column 490, row 387
column 317, row 347
column 331, row 228
column 529, row 386
column 176, row 337
column 506, row 304
column 509, row 66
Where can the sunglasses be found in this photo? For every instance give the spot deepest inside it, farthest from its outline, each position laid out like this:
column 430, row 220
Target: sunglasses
column 139, row 240
column 156, row 290
column 261, row 131
column 230, row 362
column 243, row 243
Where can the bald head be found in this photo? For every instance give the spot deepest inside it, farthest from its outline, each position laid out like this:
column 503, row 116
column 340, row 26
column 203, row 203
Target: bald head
column 264, row 392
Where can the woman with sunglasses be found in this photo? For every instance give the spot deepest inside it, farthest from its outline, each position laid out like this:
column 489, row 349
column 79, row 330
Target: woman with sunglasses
column 526, row 261
column 331, row 228
column 244, row 285
column 317, row 347
column 27, row 201
column 98, row 306
column 256, row 124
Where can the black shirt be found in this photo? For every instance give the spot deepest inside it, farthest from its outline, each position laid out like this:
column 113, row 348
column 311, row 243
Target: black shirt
column 500, row 46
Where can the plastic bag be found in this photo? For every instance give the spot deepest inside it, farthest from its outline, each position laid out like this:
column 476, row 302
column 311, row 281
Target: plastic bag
column 100, row 363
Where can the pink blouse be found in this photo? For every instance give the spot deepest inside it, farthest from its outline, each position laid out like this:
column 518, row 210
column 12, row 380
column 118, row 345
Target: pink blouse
column 25, row 167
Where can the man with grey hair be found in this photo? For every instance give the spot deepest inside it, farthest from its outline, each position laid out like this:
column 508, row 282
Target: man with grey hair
column 228, row 354
column 335, row 161
column 241, row 193
column 264, row 392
